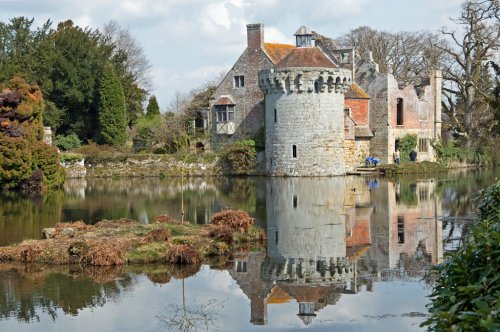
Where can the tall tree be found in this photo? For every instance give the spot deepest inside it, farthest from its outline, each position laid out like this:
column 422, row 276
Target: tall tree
column 465, row 75
column 153, row 109
column 81, row 55
column 112, row 122
column 132, row 68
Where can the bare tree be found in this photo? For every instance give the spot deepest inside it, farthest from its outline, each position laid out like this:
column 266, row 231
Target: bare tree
column 466, row 74
column 409, row 56
column 137, row 63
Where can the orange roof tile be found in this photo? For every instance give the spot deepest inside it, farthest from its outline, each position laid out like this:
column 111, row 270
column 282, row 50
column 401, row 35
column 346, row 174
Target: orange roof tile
column 355, row 92
column 306, row 57
column 224, row 100
column 277, row 52
column 278, row 296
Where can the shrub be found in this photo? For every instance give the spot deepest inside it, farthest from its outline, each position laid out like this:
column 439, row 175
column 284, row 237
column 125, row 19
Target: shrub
column 406, row 144
column 236, row 220
column 46, row 158
column 158, row 235
column 465, row 295
column 239, row 159
column 66, row 143
column 182, row 254
column 103, row 254
column 163, row 219
column 15, row 162
column 221, row 232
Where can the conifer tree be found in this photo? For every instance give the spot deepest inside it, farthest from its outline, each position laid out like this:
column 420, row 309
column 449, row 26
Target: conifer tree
column 153, row 109
column 112, row 122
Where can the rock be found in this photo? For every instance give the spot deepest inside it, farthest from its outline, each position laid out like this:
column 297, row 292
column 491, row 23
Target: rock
column 69, row 232
column 48, row 233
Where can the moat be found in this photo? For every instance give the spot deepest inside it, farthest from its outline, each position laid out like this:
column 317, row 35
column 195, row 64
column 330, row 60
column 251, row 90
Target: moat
column 343, row 253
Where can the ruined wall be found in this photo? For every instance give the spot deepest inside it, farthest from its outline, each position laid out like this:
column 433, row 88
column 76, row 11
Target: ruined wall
column 355, row 153
column 421, row 112
column 249, row 108
column 305, row 120
column 359, row 110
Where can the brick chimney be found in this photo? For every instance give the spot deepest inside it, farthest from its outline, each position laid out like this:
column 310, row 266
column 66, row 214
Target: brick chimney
column 255, row 35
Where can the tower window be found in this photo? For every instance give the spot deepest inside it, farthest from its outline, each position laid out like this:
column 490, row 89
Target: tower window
column 239, row 81
column 294, row 151
column 399, row 112
column 316, row 87
column 295, row 201
column 275, row 115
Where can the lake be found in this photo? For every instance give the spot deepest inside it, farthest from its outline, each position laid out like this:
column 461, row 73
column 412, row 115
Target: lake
column 343, row 253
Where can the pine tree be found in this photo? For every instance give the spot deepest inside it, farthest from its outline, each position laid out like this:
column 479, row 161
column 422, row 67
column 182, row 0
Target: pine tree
column 153, row 109
column 112, row 122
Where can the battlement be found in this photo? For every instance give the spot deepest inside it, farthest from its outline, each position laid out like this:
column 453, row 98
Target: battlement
column 305, row 80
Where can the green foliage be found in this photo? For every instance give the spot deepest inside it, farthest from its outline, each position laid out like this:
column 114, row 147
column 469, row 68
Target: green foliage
column 69, row 157
column 465, row 295
column 450, row 152
column 411, row 167
column 406, row 144
column 153, row 109
column 112, row 122
column 146, row 127
column 99, row 154
column 239, row 159
column 15, row 162
column 46, row 158
column 66, row 143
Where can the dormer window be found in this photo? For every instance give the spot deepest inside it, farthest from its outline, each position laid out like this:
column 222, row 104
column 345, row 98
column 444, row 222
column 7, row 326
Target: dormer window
column 303, row 37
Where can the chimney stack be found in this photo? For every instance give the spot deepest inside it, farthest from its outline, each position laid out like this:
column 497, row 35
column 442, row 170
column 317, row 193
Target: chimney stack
column 255, row 35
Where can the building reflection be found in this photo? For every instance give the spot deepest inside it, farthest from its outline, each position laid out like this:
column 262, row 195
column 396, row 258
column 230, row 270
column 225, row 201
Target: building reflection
column 334, row 236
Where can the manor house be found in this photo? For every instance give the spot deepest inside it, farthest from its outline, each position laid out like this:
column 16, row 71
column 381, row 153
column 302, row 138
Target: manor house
column 321, row 114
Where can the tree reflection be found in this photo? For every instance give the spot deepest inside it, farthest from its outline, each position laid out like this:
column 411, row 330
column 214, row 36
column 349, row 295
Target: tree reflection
column 192, row 317
column 26, row 289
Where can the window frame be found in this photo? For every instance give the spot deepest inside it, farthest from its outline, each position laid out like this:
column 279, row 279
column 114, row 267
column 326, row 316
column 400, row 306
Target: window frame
column 239, row 81
column 224, row 113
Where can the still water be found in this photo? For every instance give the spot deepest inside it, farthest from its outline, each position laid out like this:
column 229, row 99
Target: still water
column 343, row 253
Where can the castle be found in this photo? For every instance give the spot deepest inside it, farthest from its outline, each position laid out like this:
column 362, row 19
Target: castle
column 320, row 113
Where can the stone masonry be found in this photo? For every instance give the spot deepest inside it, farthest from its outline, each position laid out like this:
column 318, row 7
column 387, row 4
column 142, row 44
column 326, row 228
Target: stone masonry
column 305, row 120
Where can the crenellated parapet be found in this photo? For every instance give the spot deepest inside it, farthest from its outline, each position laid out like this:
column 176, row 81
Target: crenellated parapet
column 305, row 80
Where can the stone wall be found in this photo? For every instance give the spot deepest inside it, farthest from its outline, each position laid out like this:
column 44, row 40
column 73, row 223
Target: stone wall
column 249, row 108
column 131, row 167
column 304, row 120
column 355, row 153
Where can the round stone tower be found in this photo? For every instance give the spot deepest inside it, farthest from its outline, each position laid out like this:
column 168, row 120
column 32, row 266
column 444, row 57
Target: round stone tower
column 304, row 115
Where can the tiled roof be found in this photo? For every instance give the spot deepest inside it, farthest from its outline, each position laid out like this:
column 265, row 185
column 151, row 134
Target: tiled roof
column 303, row 30
column 276, row 52
column 306, row 57
column 224, row 100
column 355, row 92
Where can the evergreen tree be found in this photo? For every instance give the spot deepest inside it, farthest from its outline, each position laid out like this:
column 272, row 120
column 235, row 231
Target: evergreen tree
column 153, row 109
column 111, row 110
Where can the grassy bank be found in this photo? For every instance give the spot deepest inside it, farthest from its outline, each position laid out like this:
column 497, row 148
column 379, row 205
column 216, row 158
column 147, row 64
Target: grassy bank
column 125, row 241
column 411, row 167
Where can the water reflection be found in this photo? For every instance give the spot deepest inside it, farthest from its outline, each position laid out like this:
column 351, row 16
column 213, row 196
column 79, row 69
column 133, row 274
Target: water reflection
column 329, row 240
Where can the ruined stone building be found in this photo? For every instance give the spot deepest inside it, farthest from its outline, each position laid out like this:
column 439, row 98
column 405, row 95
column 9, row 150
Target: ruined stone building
column 320, row 115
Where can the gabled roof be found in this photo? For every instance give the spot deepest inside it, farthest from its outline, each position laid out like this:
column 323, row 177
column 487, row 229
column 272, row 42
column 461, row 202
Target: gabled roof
column 224, row 100
column 306, row 57
column 303, row 31
column 355, row 92
column 362, row 131
column 276, row 52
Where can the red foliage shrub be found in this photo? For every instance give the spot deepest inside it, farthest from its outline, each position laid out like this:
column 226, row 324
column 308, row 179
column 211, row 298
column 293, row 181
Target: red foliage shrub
column 237, row 220
column 30, row 253
column 103, row 254
column 163, row 219
column 182, row 254
column 221, row 232
column 161, row 234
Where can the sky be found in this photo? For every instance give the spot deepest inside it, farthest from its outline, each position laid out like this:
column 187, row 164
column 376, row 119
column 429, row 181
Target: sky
column 190, row 42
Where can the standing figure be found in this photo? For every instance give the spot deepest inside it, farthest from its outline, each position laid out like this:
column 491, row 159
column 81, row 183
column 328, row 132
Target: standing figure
column 396, row 156
column 413, row 155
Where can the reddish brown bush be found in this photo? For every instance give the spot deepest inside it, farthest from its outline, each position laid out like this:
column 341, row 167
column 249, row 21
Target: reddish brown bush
column 163, row 219
column 103, row 255
column 221, row 232
column 155, row 235
column 159, row 278
column 30, row 253
column 184, row 271
column 123, row 222
column 182, row 254
column 237, row 220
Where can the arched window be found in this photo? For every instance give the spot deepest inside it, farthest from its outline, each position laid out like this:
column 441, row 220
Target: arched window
column 316, row 87
column 294, row 151
column 399, row 112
